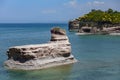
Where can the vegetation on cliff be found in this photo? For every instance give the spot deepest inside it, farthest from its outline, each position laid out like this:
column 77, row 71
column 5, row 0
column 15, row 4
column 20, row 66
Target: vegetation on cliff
column 100, row 18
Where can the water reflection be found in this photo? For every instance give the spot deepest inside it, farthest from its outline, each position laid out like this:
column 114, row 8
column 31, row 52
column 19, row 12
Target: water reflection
column 83, row 70
column 55, row 73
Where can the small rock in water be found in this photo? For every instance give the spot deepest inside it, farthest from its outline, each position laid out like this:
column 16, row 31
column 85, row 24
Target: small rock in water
column 54, row 53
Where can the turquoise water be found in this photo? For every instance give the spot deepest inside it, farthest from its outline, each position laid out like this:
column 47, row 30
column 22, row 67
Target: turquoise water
column 98, row 55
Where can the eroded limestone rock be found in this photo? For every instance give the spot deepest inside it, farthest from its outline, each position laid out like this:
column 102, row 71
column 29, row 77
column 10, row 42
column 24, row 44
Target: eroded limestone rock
column 28, row 57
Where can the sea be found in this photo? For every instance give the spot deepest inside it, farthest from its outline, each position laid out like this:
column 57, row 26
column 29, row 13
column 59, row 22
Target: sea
column 98, row 55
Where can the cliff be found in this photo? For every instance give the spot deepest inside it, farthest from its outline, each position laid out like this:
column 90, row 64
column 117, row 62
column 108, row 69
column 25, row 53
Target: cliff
column 29, row 57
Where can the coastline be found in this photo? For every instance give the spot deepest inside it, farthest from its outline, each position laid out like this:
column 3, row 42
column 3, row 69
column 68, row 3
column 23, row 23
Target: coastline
column 115, row 34
column 112, row 34
column 94, row 52
column 84, row 33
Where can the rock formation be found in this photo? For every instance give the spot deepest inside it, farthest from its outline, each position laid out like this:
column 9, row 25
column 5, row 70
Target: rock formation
column 74, row 25
column 29, row 57
column 86, row 29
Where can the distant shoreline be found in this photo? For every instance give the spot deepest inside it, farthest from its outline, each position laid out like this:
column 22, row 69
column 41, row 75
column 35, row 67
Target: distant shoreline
column 97, row 22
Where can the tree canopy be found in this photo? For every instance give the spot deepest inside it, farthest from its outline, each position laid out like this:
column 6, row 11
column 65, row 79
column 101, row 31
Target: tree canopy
column 101, row 17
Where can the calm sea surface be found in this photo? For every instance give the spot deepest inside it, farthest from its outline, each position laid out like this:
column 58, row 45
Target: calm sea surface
column 98, row 55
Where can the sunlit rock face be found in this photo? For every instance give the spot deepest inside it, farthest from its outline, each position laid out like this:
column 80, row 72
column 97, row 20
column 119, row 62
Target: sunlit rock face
column 29, row 57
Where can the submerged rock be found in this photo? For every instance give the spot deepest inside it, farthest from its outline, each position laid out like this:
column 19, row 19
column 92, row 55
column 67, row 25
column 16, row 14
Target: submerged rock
column 29, row 57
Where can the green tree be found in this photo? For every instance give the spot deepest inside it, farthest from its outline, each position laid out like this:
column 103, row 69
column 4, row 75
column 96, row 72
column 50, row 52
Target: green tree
column 110, row 10
column 101, row 18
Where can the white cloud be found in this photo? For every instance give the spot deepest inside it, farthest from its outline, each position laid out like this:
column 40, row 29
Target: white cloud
column 49, row 11
column 72, row 3
column 96, row 3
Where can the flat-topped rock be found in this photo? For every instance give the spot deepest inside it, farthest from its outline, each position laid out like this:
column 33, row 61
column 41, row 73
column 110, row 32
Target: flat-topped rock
column 29, row 57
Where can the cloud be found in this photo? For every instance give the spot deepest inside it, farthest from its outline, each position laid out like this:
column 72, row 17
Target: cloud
column 49, row 11
column 72, row 3
column 96, row 3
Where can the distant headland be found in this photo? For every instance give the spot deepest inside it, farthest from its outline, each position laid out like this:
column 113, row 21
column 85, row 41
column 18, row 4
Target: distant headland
column 97, row 22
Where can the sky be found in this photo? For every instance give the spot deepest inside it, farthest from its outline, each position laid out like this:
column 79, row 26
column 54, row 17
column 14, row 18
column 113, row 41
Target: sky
column 50, row 11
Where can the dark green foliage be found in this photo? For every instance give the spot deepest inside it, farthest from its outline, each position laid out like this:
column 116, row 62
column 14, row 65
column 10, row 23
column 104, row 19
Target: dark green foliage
column 100, row 18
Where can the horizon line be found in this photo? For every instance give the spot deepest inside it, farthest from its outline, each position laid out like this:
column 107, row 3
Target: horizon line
column 36, row 23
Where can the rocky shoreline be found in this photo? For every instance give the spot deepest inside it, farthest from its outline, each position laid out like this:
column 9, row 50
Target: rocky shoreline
column 30, row 57
column 87, row 30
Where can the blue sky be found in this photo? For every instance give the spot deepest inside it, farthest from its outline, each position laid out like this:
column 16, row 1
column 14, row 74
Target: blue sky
column 50, row 11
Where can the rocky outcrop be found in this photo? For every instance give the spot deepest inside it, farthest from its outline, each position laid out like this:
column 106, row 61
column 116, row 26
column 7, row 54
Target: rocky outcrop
column 84, row 28
column 74, row 25
column 28, row 57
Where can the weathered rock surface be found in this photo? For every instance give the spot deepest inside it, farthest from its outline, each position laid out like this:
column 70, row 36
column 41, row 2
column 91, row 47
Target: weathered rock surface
column 28, row 57
column 75, row 25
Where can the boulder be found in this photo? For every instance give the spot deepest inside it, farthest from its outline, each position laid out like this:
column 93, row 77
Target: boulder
column 29, row 57
column 74, row 25
column 58, row 34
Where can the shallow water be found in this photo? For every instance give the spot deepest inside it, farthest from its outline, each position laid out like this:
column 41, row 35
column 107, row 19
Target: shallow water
column 98, row 55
